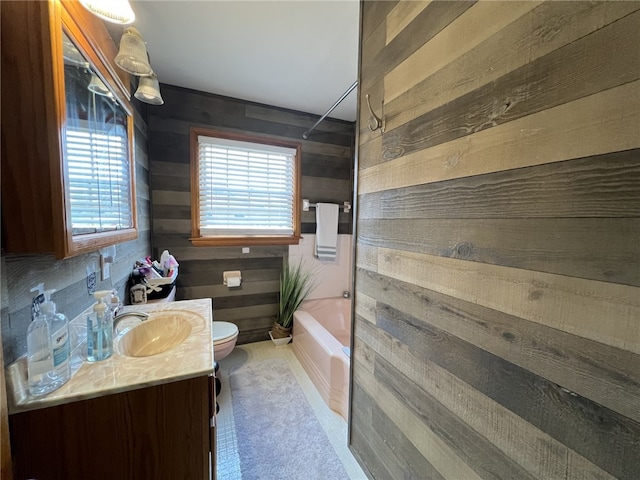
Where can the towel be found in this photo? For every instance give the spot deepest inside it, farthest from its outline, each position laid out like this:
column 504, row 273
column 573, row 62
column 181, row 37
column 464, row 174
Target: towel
column 326, row 230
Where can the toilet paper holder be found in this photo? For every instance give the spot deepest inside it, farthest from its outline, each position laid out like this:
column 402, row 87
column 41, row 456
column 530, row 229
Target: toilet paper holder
column 232, row 278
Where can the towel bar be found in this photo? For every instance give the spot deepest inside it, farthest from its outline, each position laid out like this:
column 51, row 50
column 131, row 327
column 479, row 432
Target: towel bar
column 306, row 205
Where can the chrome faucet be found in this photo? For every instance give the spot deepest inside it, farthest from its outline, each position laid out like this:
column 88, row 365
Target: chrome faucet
column 141, row 315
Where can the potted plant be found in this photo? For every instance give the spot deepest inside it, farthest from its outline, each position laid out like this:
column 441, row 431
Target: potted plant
column 295, row 285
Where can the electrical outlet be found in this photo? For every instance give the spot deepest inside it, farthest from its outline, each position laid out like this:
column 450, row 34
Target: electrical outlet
column 246, row 249
column 91, row 278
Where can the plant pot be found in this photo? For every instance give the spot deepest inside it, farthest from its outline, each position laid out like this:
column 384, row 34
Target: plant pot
column 279, row 331
column 278, row 342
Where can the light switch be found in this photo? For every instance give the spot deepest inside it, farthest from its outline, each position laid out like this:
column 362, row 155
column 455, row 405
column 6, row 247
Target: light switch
column 105, row 267
column 107, row 257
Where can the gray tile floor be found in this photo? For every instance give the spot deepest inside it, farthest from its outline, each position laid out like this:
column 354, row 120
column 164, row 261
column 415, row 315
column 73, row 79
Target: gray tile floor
column 228, row 462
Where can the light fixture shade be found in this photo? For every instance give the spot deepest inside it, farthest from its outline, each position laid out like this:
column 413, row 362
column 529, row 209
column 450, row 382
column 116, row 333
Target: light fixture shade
column 132, row 56
column 114, row 11
column 149, row 90
column 71, row 54
column 98, row 87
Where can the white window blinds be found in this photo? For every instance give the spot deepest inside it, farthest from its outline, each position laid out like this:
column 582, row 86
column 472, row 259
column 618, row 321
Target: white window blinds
column 245, row 188
column 99, row 183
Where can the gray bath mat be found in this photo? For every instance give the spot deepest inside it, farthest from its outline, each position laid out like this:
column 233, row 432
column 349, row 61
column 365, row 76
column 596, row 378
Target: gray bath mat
column 279, row 436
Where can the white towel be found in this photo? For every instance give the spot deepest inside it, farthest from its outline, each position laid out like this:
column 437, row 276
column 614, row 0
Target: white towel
column 326, row 230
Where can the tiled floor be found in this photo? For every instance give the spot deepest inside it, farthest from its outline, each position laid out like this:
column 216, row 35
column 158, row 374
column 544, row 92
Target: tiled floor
column 228, row 463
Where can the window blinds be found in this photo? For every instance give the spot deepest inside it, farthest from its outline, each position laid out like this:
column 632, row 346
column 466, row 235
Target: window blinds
column 245, row 188
column 98, row 174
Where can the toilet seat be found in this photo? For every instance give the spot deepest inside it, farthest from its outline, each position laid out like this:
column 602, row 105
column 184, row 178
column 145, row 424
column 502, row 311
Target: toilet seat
column 223, row 332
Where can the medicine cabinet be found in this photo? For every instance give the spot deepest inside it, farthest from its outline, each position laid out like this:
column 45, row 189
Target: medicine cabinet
column 67, row 132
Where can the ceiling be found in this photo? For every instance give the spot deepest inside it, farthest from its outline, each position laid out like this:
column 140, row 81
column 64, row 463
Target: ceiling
column 300, row 55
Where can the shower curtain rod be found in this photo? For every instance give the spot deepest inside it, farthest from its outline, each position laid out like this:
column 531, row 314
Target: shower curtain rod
column 305, row 135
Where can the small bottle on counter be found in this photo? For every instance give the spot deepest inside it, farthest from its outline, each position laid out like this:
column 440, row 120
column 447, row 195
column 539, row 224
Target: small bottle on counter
column 114, row 304
column 100, row 329
column 138, row 293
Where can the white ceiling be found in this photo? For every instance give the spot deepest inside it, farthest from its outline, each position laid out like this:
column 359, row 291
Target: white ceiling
column 299, row 54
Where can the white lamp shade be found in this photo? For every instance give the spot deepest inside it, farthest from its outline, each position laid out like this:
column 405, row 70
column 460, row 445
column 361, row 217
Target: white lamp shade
column 114, row 11
column 71, row 54
column 149, row 90
column 98, row 87
column 132, row 56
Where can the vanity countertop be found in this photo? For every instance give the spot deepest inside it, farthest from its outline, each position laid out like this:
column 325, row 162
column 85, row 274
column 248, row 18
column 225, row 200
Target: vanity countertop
column 119, row 373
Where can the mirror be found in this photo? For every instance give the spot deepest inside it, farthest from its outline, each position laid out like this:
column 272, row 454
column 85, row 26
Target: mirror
column 96, row 149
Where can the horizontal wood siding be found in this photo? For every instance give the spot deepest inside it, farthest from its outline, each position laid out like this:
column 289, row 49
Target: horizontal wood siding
column 497, row 285
column 327, row 176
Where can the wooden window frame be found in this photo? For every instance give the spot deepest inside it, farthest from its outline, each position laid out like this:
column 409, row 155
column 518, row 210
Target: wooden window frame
column 199, row 240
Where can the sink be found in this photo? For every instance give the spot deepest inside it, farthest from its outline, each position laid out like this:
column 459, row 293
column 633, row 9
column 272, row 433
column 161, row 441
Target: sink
column 161, row 332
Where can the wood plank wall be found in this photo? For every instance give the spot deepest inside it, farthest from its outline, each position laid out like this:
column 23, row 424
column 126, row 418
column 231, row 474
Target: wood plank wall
column 497, row 326
column 69, row 277
column 327, row 176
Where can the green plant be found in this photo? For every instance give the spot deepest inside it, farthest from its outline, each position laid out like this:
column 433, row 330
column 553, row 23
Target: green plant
column 295, row 285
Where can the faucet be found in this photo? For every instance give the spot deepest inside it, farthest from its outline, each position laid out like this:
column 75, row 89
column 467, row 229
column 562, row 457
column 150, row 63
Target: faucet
column 141, row 315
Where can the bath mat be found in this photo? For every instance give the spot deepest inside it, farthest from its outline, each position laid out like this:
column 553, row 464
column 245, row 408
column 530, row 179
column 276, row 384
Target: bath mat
column 278, row 433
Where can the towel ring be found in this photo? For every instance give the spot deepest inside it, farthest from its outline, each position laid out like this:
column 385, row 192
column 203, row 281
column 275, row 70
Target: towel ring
column 379, row 122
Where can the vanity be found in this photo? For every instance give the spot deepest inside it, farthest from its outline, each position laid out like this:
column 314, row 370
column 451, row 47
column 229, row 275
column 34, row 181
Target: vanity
column 130, row 416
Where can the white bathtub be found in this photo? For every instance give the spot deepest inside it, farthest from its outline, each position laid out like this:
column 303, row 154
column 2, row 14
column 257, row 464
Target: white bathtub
column 321, row 328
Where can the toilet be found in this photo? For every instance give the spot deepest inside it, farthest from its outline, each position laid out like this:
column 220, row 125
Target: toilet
column 225, row 336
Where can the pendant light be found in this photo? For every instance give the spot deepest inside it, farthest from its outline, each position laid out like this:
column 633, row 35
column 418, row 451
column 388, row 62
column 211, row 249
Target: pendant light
column 149, row 90
column 114, row 11
column 132, row 56
column 98, row 87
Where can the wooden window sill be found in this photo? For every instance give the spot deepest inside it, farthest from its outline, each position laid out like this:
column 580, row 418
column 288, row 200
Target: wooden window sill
column 244, row 241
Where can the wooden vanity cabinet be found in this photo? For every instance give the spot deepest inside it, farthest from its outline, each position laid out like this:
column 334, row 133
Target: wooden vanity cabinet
column 158, row 432
column 61, row 91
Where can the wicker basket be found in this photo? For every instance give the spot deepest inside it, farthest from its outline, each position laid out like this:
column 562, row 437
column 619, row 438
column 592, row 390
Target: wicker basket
column 279, row 331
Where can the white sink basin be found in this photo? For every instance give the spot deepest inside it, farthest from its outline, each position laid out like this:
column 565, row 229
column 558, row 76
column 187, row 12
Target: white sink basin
column 161, row 332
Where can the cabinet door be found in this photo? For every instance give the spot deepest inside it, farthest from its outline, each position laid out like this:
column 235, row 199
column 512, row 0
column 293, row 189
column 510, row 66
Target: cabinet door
column 67, row 132
column 158, row 433
column 212, row 424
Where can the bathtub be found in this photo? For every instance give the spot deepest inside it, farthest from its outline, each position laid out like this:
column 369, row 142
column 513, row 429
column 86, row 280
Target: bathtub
column 321, row 329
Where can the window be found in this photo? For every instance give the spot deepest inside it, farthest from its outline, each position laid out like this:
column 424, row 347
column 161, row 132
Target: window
column 245, row 189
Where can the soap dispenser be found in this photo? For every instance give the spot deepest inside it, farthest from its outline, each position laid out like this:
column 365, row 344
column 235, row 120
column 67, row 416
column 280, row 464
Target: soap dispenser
column 40, row 357
column 100, row 329
column 59, row 330
column 60, row 345
column 114, row 304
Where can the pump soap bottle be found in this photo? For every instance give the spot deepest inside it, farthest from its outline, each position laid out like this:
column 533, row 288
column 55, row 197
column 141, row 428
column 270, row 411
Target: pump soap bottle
column 100, row 329
column 60, row 344
column 48, row 361
column 39, row 357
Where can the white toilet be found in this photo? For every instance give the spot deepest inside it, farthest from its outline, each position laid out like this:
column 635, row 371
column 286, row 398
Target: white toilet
column 225, row 336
